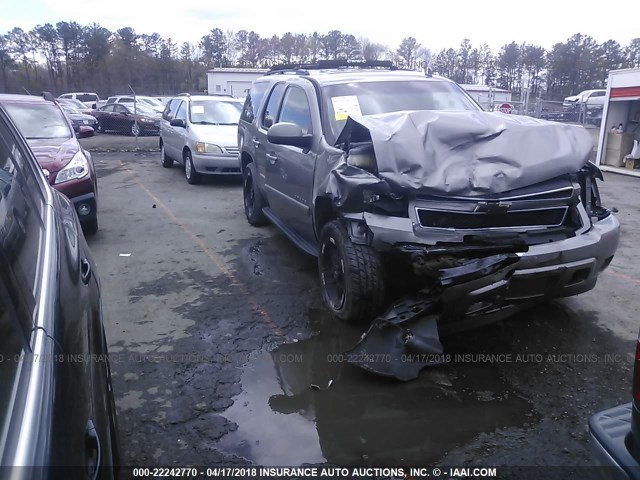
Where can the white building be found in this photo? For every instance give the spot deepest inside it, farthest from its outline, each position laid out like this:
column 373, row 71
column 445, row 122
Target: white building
column 621, row 108
column 234, row 81
column 482, row 94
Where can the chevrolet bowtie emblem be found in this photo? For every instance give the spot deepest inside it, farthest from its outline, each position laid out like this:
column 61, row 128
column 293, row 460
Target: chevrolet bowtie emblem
column 492, row 207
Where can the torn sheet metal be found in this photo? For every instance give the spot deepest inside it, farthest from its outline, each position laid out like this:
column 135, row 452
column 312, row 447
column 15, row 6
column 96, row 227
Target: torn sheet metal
column 466, row 153
column 405, row 339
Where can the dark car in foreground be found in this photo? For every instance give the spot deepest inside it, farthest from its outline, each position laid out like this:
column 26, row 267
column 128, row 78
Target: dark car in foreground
column 68, row 167
column 115, row 117
column 394, row 180
column 615, row 434
column 57, row 413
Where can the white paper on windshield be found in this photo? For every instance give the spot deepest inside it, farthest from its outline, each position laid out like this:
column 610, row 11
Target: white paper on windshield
column 197, row 108
column 347, row 106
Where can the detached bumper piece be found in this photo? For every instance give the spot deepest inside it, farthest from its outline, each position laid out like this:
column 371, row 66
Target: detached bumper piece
column 403, row 341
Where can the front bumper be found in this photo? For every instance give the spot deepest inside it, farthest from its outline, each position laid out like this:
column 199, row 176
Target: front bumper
column 211, row 164
column 610, row 435
column 555, row 269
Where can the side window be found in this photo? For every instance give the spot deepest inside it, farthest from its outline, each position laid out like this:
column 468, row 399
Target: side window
column 108, row 108
column 21, row 227
column 271, row 111
column 295, row 109
column 66, row 95
column 111, row 100
column 253, row 101
column 13, row 344
column 181, row 113
column 170, row 110
column 120, row 109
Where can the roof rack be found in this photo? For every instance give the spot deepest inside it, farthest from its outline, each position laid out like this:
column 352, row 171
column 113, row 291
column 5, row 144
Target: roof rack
column 303, row 68
column 188, row 94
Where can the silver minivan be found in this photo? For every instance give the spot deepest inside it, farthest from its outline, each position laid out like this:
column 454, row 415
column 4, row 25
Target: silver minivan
column 200, row 132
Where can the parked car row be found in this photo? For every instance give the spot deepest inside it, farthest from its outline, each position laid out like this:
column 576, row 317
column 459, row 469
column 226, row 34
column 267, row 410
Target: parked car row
column 56, row 398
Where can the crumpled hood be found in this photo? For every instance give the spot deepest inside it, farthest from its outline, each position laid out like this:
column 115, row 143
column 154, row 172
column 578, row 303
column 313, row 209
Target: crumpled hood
column 468, row 153
column 221, row 135
column 54, row 153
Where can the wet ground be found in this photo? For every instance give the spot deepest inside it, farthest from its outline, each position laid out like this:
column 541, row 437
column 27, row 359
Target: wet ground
column 223, row 354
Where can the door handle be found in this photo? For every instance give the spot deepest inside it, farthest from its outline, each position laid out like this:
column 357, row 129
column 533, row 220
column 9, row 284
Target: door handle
column 93, row 451
column 256, row 143
column 85, row 271
column 272, row 158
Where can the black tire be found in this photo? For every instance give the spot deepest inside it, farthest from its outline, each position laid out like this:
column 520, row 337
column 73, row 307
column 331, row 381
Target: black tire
column 134, row 129
column 90, row 227
column 166, row 161
column 99, row 128
column 193, row 177
column 252, row 197
column 351, row 276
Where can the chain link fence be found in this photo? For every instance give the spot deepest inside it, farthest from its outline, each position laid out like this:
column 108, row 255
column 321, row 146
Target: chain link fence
column 587, row 114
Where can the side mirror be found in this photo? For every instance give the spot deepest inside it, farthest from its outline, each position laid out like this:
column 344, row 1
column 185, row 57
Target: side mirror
column 284, row 133
column 85, row 132
column 178, row 122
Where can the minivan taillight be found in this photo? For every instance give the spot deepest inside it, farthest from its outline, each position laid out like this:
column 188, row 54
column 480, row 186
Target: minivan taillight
column 636, row 374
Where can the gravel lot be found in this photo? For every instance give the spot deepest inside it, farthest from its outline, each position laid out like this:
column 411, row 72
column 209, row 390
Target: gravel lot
column 217, row 332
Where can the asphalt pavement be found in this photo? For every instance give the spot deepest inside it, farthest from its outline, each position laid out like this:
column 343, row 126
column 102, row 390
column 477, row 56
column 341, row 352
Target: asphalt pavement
column 223, row 354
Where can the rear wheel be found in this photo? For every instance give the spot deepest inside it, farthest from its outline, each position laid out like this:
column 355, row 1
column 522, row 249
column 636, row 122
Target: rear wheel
column 351, row 275
column 166, row 161
column 252, row 197
column 135, row 129
column 193, row 177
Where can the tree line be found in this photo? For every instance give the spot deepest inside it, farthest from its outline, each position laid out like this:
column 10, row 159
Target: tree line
column 68, row 56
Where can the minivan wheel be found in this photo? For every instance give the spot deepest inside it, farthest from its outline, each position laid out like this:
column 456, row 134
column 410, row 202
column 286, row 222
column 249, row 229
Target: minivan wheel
column 166, row 161
column 135, row 129
column 351, row 275
column 252, row 197
column 193, row 177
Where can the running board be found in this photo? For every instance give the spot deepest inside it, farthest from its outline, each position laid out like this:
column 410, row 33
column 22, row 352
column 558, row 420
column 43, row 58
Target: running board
column 300, row 242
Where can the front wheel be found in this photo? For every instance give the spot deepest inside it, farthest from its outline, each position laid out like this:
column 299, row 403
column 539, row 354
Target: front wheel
column 99, row 127
column 252, row 197
column 135, row 129
column 193, row 177
column 351, row 275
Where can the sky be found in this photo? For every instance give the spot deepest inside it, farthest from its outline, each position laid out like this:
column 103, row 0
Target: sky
column 435, row 24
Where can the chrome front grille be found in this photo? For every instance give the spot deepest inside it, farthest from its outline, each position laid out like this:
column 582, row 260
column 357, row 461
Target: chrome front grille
column 232, row 150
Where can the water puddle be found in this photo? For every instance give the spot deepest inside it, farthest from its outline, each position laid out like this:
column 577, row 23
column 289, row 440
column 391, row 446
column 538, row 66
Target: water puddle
column 301, row 404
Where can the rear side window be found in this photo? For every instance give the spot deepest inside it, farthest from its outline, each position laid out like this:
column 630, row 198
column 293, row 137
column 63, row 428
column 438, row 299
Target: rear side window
column 171, row 108
column 295, row 109
column 271, row 111
column 120, row 109
column 253, row 101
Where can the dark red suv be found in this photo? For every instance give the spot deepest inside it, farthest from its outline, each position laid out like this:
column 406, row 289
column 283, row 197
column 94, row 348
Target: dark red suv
column 67, row 166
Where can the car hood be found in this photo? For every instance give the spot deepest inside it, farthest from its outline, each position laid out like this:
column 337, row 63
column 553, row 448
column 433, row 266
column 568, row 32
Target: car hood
column 221, row 135
column 52, row 153
column 451, row 153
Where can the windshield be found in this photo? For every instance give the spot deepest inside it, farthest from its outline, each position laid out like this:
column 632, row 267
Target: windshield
column 43, row 120
column 215, row 112
column 152, row 102
column 371, row 98
column 69, row 108
column 143, row 109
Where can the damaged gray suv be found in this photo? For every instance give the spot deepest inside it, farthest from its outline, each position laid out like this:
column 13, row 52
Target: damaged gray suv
column 402, row 185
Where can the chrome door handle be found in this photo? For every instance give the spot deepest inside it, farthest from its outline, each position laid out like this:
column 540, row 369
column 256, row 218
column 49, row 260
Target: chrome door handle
column 272, row 158
column 256, row 143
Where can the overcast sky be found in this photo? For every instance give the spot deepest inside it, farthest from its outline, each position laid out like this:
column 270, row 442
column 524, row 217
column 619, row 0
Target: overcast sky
column 436, row 24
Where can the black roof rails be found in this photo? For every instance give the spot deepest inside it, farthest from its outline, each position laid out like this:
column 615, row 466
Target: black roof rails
column 303, row 68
